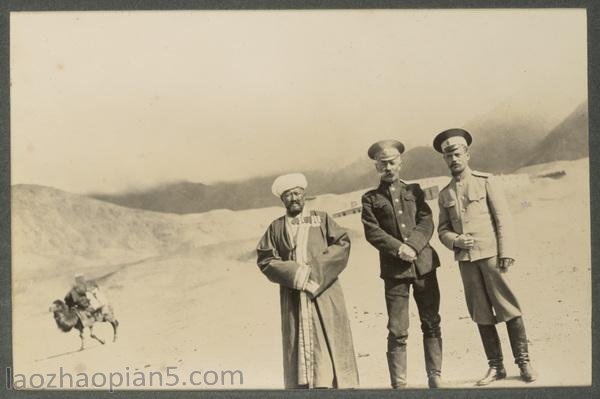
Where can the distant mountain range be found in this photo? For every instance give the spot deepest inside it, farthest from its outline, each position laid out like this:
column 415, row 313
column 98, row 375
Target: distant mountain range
column 567, row 141
column 504, row 140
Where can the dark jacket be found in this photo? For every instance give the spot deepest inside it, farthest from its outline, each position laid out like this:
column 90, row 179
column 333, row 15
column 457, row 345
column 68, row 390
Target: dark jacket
column 397, row 213
column 77, row 299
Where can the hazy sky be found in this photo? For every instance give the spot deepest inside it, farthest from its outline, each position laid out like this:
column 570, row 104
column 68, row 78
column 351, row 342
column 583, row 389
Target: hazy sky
column 107, row 101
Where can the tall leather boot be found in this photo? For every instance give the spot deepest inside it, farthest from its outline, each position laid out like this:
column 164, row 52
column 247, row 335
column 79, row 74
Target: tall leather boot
column 433, row 361
column 397, row 366
column 518, row 343
column 493, row 352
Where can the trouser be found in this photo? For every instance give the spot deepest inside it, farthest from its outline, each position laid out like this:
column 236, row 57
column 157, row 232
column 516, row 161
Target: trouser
column 488, row 295
column 427, row 297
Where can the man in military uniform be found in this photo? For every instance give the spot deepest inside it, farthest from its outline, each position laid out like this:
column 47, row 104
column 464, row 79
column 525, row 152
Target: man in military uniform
column 398, row 222
column 475, row 223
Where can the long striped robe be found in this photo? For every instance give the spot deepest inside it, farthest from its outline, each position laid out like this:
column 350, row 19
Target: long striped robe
column 317, row 342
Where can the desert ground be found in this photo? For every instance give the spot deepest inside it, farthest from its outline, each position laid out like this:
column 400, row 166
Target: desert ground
column 188, row 293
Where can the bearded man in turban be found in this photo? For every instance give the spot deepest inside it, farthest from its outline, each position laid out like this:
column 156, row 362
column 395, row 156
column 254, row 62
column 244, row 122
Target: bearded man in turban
column 304, row 252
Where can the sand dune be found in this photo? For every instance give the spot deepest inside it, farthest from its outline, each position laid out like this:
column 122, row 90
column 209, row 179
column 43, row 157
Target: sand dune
column 78, row 231
column 189, row 294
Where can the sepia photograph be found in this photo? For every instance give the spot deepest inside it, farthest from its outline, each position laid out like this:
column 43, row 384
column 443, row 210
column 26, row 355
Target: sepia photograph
column 300, row 199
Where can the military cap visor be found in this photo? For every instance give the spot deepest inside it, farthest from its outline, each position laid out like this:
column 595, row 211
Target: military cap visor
column 440, row 139
column 385, row 149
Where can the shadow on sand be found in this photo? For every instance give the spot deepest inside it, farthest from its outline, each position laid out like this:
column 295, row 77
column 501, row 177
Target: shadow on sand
column 66, row 353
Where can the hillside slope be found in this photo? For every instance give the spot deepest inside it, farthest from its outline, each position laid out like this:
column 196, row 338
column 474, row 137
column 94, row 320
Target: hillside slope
column 567, row 141
column 76, row 230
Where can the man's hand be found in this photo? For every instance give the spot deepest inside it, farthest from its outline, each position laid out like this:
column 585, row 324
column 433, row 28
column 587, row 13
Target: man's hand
column 407, row 253
column 464, row 241
column 311, row 288
column 504, row 264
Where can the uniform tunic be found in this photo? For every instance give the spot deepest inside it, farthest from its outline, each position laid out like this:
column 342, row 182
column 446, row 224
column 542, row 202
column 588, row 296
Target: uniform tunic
column 473, row 204
column 318, row 350
column 393, row 214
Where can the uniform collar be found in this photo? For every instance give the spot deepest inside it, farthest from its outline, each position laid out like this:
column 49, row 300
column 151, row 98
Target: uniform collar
column 463, row 176
column 386, row 185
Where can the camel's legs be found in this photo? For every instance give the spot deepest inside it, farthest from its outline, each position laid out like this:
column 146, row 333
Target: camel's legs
column 115, row 325
column 81, row 336
column 110, row 318
column 94, row 336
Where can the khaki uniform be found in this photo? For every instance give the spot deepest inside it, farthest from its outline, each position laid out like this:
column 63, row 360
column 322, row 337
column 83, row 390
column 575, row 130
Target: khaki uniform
column 474, row 204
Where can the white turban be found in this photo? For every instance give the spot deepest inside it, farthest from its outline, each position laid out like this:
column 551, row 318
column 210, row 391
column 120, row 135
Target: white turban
column 286, row 182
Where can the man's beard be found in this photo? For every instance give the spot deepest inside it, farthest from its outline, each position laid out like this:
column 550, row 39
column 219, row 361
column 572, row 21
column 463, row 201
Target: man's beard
column 295, row 210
